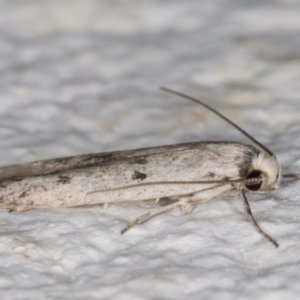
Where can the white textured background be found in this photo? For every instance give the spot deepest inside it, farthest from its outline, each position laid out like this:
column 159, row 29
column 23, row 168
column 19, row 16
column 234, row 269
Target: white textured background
column 83, row 76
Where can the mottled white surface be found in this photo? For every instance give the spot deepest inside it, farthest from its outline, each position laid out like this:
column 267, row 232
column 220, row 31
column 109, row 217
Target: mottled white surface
column 83, row 76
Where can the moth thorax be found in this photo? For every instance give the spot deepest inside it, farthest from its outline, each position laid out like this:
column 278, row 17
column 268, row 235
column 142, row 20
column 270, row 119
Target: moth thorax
column 264, row 174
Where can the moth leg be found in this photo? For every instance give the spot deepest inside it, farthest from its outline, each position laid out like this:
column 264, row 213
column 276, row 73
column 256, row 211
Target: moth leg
column 19, row 209
column 249, row 213
column 186, row 209
column 150, row 214
column 205, row 195
column 202, row 196
column 105, row 205
column 183, row 200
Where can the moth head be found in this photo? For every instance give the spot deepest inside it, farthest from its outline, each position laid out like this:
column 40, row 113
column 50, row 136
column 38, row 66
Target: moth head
column 266, row 170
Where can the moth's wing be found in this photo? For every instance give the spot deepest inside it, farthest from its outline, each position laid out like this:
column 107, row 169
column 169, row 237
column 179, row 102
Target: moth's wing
column 185, row 168
column 72, row 181
column 63, row 164
column 59, row 165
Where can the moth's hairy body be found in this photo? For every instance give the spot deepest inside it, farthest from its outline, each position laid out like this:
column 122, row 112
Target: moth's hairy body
column 66, row 182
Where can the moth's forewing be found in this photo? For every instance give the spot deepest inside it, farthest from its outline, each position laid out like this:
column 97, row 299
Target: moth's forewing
column 65, row 182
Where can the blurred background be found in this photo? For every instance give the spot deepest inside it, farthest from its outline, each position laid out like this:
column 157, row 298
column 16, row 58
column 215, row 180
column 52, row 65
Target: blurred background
column 84, row 76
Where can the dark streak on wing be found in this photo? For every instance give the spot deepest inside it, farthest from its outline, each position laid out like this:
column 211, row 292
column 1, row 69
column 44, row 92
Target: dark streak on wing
column 139, row 156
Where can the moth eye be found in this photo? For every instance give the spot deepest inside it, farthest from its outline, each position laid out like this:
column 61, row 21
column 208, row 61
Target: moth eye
column 256, row 186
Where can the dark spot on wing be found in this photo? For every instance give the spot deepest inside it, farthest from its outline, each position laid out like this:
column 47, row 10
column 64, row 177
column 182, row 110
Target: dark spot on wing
column 24, row 194
column 138, row 175
column 63, row 179
column 166, row 201
column 211, row 174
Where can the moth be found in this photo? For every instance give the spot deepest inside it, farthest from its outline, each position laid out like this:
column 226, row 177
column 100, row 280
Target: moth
column 186, row 174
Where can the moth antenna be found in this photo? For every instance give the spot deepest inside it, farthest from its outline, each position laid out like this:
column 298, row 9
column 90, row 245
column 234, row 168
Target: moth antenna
column 222, row 117
column 249, row 213
column 291, row 176
column 249, row 181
